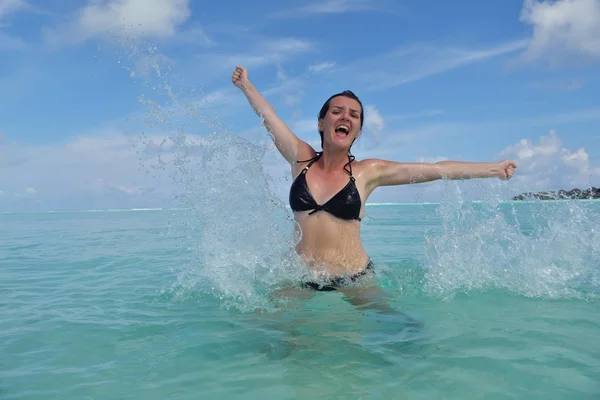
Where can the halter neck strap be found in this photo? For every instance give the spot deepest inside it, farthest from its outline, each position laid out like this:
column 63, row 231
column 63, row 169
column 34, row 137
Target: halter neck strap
column 347, row 166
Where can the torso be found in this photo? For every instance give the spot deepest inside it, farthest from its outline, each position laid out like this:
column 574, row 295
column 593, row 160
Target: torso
column 328, row 242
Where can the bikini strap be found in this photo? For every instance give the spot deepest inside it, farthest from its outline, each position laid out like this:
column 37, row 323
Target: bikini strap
column 310, row 161
column 349, row 165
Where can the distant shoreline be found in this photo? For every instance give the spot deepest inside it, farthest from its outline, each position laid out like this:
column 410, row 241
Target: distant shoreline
column 573, row 194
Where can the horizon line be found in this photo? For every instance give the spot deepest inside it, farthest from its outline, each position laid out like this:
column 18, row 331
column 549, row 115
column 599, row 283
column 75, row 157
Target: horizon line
column 148, row 209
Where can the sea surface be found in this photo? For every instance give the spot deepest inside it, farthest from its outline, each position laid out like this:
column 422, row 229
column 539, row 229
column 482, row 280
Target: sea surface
column 496, row 300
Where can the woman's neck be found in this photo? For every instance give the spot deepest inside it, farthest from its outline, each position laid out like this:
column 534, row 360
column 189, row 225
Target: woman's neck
column 333, row 160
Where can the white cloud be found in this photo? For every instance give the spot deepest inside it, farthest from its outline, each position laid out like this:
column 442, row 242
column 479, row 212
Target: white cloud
column 81, row 168
column 321, row 66
column 290, row 90
column 27, row 193
column 261, row 52
column 9, row 42
column 291, row 94
column 418, row 61
column 548, row 165
column 123, row 18
column 101, row 186
column 337, row 6
column 326, row 7
column 304, row 126
column 8, row 6
column 195, row 35
column 281, row 76
column 258, row 52
column 563, row 30
column 373, row 120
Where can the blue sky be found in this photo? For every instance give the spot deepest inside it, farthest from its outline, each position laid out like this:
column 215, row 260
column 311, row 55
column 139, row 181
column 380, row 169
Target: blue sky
column 466, row 80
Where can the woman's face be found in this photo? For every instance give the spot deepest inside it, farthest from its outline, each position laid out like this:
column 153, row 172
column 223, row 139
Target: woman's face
column 341, row 124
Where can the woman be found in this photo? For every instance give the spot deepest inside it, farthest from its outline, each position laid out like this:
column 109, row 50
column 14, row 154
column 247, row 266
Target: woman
column 330, row 187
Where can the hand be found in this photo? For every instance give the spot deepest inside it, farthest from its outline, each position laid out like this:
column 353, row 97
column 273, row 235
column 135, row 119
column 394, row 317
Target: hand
column 506, row 169
column 240, row 77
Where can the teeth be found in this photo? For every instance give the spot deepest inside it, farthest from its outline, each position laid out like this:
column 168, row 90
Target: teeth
column 343, row 128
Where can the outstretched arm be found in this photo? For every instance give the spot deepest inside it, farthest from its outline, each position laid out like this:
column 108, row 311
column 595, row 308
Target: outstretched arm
column 288, row 144
column 388, row 173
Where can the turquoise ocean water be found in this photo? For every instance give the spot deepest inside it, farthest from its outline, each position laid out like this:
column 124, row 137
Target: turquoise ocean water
column 492, row 301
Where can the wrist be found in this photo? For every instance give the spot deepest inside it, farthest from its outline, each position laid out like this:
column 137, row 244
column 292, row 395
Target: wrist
column 495, row 170
column 247, row 87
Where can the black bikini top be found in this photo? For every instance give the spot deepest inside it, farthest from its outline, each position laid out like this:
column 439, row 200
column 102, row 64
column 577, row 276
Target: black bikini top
column 345, row 204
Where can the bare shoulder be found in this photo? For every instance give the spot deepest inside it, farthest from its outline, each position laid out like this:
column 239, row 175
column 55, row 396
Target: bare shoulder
column 368, row 170
column 305, row 154
column 369, row 167
column 370, row 163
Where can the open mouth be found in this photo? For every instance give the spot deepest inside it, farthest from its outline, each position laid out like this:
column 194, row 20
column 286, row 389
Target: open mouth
column 342, row 129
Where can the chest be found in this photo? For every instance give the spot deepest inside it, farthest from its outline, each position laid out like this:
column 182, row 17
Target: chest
column 324, row 186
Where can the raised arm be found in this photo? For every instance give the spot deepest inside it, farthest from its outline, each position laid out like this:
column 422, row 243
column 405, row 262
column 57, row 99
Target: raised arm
column 388, row 173
column 288, row 144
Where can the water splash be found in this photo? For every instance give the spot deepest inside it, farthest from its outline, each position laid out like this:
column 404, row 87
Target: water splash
column 242, row 233
column 544, row 249
column 237, row 233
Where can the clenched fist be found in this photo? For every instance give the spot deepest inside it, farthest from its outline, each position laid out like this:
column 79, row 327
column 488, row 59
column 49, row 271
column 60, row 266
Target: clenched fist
column 240, row 77
column 507, row 169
